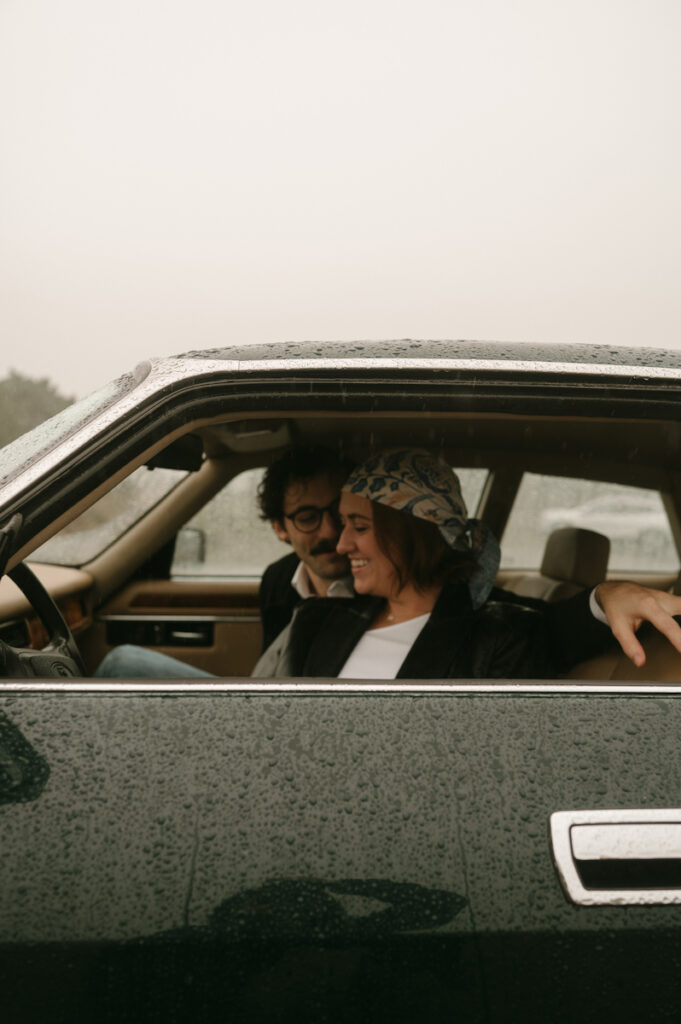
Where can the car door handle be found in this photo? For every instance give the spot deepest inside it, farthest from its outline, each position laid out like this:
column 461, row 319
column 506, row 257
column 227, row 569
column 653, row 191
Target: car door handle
column 618, row 858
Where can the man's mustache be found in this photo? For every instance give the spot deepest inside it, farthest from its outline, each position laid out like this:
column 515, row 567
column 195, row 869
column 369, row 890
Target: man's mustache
column 325, row 547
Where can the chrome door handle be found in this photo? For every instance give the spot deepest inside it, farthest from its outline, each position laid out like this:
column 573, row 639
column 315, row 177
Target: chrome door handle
column 618, row 858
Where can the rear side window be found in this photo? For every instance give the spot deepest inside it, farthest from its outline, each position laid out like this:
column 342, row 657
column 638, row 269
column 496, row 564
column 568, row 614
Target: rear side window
column 228, row 537
column 633, row 518
column 472, row 483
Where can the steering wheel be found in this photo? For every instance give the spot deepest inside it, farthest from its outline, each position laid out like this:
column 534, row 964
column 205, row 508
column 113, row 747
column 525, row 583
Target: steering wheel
column 61, row 657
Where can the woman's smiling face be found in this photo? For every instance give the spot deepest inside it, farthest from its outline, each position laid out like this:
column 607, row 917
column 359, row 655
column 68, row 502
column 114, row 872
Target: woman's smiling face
column 372, row 571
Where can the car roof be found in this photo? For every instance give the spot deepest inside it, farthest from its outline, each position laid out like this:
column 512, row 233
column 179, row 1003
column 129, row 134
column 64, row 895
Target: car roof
column 409, row 348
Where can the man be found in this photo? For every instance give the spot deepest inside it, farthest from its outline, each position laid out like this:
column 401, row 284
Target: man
column 299, row 496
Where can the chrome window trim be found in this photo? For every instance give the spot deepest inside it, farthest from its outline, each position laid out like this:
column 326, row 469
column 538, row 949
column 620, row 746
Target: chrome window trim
column 294, row 687
column 503, row 365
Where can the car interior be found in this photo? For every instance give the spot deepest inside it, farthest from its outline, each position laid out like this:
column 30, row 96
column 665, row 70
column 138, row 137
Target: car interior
column 127, row 572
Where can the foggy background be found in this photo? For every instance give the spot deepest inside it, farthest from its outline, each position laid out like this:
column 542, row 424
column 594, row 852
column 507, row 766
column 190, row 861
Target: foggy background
column 177, row 175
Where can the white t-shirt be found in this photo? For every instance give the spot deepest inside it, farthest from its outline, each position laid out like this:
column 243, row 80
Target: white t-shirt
column 380, row 652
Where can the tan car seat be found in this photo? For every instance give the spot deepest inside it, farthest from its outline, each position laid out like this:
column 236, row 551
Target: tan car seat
column 574, row 560
column 663, row 662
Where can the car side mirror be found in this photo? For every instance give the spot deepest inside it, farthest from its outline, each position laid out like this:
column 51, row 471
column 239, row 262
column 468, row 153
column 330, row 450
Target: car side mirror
column 190, row 547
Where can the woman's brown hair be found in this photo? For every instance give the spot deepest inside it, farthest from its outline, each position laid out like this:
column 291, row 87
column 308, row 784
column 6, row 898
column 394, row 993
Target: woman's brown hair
column 417, row 550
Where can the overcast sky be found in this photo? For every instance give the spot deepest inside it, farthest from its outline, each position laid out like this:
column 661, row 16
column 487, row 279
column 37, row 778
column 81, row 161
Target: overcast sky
column 179, row 174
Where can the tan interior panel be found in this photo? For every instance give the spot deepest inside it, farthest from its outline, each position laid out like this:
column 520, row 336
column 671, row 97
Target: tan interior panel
column 69, row 588
column 227, row 610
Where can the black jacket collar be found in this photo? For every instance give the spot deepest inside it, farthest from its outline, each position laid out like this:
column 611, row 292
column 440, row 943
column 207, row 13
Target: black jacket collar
column 326, row 631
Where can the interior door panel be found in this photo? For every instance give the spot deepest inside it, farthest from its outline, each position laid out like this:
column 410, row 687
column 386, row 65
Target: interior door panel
column 213, row 625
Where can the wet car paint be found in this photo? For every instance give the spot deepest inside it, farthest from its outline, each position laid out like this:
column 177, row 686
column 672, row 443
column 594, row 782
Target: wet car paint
column 265, row 847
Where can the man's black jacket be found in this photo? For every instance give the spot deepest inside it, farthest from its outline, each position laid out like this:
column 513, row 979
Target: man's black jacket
column 277, row 597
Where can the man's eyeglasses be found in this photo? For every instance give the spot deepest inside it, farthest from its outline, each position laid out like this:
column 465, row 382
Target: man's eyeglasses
column 308, row 518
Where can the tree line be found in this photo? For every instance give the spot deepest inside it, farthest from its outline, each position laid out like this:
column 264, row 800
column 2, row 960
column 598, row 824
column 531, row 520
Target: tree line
column 24, row 403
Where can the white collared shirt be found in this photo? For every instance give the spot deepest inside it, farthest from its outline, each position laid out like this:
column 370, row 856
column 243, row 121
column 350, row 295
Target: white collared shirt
column 596, row 609
column 302, row 584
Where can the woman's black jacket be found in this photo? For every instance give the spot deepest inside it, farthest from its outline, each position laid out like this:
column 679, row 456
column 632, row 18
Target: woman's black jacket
column 500, row 640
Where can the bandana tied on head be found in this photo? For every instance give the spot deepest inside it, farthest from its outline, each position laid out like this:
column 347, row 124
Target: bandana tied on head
column 414, row 481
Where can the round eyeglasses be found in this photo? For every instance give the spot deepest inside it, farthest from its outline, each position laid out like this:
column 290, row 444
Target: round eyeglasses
column 308, row 518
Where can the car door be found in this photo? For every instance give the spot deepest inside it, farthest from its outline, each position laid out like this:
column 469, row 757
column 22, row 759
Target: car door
column 336, row 851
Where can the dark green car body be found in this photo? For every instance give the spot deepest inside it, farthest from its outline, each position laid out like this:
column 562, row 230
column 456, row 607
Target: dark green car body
column 300, row 855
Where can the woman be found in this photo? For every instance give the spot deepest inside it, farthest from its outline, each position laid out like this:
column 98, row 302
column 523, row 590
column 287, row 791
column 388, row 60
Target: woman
column 423, row 573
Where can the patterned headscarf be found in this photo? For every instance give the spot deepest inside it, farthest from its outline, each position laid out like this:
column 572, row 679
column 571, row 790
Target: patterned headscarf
column 414, row 481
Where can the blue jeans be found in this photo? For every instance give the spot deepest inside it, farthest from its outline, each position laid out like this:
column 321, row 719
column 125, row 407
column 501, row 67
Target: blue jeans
column 131, row 662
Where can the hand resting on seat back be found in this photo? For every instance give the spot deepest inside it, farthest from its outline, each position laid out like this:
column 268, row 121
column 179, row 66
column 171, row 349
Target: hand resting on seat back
column 628, row 605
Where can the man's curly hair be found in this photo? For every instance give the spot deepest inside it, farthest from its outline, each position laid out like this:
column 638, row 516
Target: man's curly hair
column 298, row 465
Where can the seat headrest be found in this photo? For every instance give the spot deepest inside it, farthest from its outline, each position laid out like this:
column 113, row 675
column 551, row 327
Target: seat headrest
column 577, row 556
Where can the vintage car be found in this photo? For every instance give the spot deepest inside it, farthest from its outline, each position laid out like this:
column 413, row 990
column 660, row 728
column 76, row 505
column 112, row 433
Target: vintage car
column 322, row 850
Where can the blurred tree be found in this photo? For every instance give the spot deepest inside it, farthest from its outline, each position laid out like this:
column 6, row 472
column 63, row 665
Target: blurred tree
column 24, row 403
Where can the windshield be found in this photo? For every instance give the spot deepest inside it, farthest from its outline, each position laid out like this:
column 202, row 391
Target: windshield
column 99, row 526
column 18, row 455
